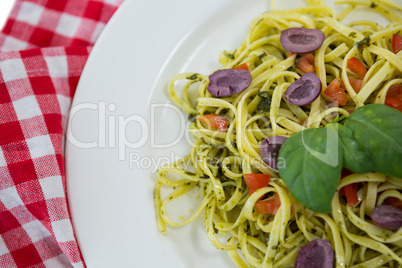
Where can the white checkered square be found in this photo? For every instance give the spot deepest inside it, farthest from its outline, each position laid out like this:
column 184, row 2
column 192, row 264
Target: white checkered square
column 30, row 13
column 26, row 108
column 2, row 159
column 57, row 65
column 40, row 146
column 36, row 231
column 10, row 198
column 97, row 31
column 68, row 25
column 49, row 20
column 3, row 247
column 65, row 103
column 60, row 261
column 112, row 2
column 63, row 230
column 20, row 83
column 52, row 187
column 11, row 43
column 78, row 265
column 85, row 32
column 13, row 69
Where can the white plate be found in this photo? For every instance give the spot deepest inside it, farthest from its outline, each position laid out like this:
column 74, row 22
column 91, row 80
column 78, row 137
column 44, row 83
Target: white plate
column 110, row 186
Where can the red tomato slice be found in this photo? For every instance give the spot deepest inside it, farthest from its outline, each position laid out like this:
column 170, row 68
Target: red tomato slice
column 290, row 54
column 351, row 194
column 396, row 43
column 395, row 91
column 256, row 181
column 357, row 67
column 356, row 84
column 336, row 93
column 393, row 201
column 394, row 103
column 243, row 66
column 306, row 63
column 268, row 206
column 215, row 121
column 345, row 172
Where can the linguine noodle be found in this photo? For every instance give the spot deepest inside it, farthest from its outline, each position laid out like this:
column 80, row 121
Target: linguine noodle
column 219, row 159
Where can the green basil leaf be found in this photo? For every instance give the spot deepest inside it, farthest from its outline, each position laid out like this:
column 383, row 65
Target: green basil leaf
column 377, row 129
column 311, row 166
column 354, row 157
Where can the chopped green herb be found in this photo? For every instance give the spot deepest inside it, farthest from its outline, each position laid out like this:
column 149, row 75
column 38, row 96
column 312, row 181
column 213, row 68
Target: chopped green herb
column 363, row 43
column 264, row 95
column 192, row 77
column 265, row 103
column 352, row 35
column 228, row 54
column 234, row 144
column 264, row 106
column 192, row 117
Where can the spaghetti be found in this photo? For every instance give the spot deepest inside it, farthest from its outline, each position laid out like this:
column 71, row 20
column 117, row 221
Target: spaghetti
column 219, row 159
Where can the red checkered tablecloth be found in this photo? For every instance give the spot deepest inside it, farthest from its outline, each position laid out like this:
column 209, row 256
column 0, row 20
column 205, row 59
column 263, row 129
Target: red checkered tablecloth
column 43, row 48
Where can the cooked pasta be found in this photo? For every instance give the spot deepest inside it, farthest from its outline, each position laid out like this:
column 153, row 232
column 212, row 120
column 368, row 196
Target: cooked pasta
column 219, row 159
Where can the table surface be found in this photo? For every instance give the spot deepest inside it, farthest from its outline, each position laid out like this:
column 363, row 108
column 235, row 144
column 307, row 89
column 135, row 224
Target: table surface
column 5, row 8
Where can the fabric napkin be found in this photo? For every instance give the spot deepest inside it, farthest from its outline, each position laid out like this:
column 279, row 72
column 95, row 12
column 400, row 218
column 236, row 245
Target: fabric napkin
column 43, row 48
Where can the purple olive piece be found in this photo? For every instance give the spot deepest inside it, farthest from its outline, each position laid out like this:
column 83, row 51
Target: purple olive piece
column 304, row 90
column 301, row 40
column 317, row 253
column 270, row 150
column 228, row 82
column 387, row 216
